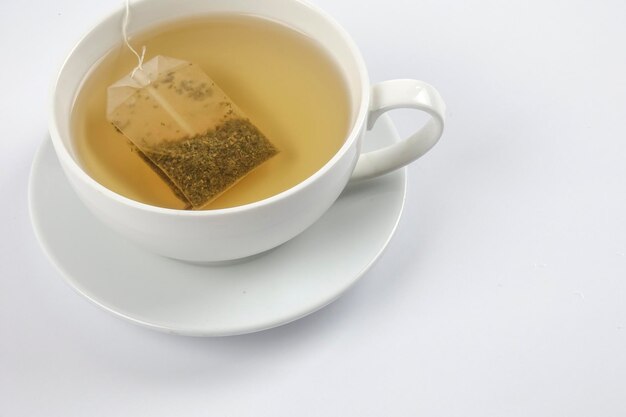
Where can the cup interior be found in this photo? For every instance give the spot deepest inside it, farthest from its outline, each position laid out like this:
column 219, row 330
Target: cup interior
column 148, row 13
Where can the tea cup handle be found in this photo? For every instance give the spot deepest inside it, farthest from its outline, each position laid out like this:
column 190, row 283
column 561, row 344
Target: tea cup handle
column 396, row 94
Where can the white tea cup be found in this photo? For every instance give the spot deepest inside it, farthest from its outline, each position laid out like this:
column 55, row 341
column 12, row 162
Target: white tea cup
column 239, row 232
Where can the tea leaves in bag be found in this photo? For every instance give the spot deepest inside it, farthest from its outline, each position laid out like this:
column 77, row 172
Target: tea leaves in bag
column 186, row 128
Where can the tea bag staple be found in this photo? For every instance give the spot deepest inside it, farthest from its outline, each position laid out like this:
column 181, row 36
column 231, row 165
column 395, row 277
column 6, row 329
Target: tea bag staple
column 186, row 128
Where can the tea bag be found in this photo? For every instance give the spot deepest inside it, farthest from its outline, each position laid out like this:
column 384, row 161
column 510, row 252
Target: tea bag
column 190, row 132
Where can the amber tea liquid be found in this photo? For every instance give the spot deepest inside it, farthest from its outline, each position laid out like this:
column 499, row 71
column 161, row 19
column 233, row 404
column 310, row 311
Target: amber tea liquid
column 285, row 82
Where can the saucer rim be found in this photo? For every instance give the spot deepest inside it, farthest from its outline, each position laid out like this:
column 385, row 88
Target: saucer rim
column 195, row 331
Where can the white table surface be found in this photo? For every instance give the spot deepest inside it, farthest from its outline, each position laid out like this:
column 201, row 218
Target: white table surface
column 503, row 292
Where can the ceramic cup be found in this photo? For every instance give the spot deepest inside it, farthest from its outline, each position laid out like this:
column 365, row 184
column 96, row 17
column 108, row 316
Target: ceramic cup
column 239, row 232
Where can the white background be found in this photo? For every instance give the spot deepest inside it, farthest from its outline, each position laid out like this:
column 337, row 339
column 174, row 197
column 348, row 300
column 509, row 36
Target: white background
column 503, row 292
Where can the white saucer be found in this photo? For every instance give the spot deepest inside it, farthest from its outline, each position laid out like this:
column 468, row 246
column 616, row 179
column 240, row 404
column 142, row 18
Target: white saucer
column 274, row 288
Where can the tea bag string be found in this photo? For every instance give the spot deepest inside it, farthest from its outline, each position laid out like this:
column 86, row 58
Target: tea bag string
column 141, row 57
column 145, row 81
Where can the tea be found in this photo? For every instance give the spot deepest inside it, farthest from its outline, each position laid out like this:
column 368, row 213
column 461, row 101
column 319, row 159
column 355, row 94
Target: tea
column 284, row 81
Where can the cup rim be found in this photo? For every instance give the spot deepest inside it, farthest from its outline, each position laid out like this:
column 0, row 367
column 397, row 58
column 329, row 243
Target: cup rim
column 69, row 162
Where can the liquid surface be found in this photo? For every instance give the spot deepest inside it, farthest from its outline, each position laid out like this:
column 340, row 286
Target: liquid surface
column 285, row 82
